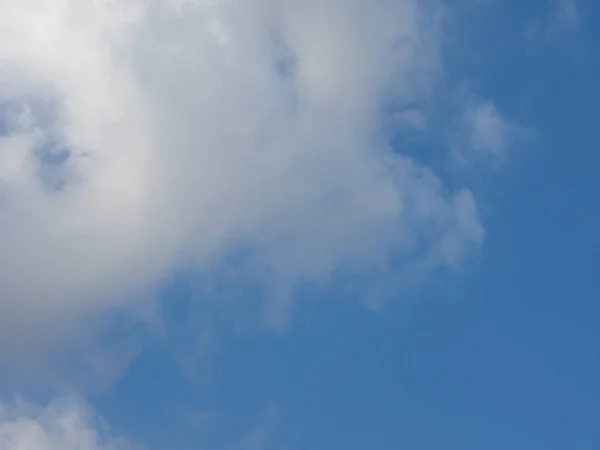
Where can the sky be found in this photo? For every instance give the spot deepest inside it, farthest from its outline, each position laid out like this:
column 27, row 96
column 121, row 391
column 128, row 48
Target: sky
column 293, row 225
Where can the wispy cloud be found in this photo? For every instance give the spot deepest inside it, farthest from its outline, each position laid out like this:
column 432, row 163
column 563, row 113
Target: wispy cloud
column 563, row 17
column 262, row 435
column 485, row 135
column 567, row 14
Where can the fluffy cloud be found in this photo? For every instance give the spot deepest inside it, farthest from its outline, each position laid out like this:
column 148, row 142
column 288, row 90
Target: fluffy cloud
column 139, row 137
column 65, row 424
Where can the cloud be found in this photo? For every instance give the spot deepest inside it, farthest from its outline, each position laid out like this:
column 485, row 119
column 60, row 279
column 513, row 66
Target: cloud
column 567, row 14
column 412, row 119
column 488, row 130
column 138, row 138
column 263, row 434
column 563, row 18
column 64, row 424
column 485, row 135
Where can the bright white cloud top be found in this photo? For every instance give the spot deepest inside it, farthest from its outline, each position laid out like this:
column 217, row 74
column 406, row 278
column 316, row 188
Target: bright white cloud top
column 138, row 137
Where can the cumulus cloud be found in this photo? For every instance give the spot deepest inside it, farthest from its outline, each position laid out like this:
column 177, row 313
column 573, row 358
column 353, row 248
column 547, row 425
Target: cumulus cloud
column 64, row 424
column 140, row 137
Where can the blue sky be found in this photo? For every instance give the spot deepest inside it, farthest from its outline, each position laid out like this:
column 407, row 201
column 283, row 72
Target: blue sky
column 463, row 316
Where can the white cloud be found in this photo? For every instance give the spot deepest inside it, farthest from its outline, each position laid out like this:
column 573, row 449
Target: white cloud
column 64, row 424
column 138, row 137
column 485, row 135
column 488, row 133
